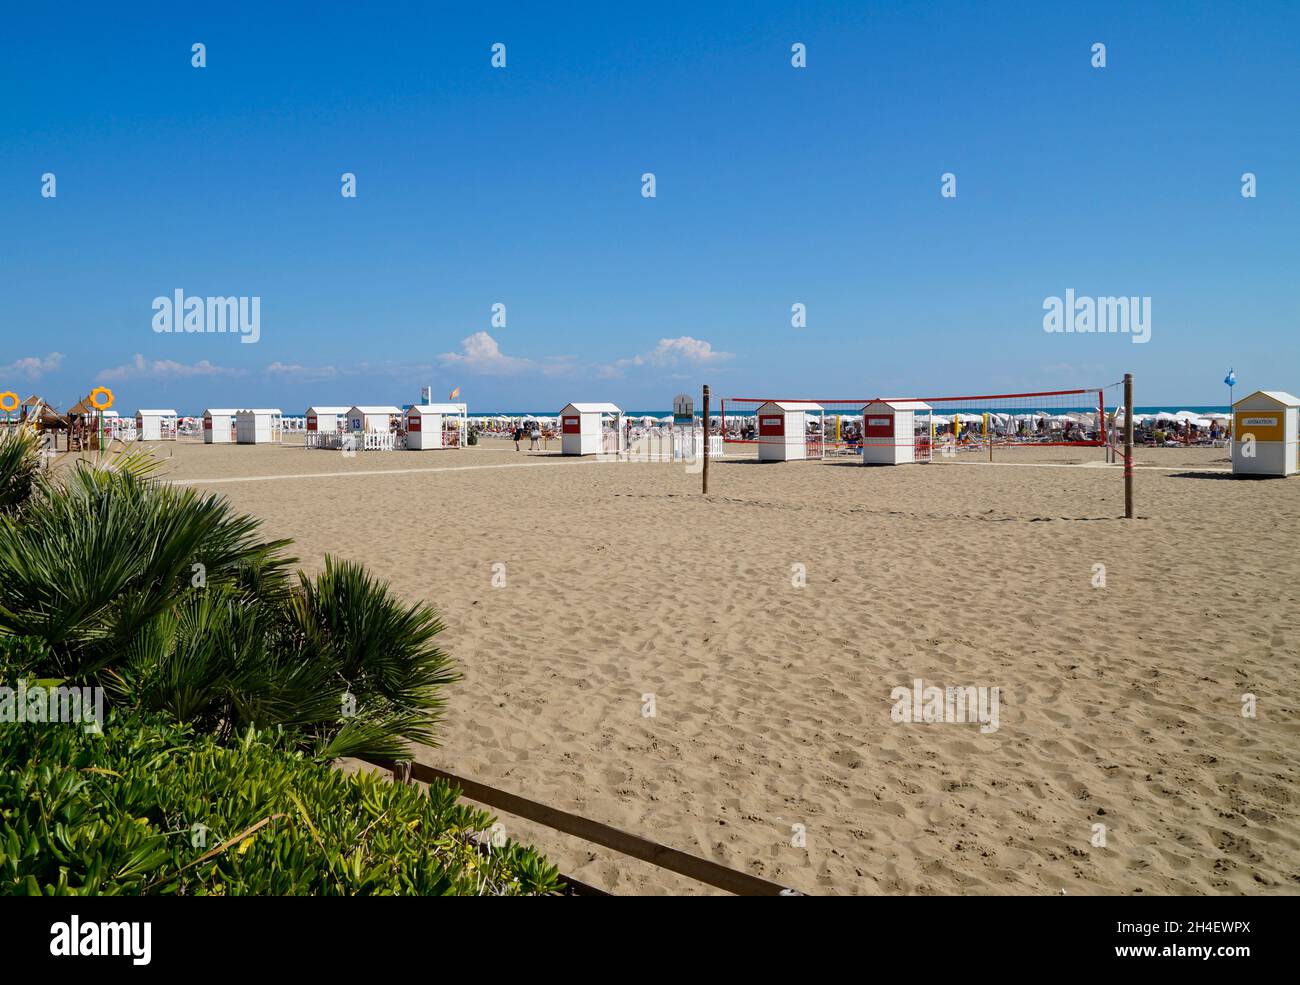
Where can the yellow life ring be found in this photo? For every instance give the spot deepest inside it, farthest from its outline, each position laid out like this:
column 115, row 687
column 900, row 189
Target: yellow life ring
column 95, row 396
column 8, row 401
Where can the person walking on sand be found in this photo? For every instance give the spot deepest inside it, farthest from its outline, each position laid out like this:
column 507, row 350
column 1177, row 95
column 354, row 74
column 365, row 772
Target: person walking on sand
column 535, row 438
column 519, row 435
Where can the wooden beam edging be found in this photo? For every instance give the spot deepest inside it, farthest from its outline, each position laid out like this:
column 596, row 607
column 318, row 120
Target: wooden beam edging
column 691, row 866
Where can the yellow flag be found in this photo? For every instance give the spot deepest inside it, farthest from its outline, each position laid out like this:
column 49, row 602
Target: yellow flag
column 454, row 394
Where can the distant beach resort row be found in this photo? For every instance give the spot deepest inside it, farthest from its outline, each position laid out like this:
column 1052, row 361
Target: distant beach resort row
column 1261, row 428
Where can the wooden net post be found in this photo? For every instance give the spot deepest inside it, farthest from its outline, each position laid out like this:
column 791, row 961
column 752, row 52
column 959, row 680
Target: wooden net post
column 1128, row 446
column 705, row 470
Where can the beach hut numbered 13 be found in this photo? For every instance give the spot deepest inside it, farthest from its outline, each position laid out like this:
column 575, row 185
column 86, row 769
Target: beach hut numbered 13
column 784, row 433
column 1264, row 434
column 218, row 426
column 895, row 432
column 430, row 426
column 582, row 430
column 372, row 418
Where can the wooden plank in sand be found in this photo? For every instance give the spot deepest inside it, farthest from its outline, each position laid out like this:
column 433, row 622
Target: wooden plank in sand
column 691, row 866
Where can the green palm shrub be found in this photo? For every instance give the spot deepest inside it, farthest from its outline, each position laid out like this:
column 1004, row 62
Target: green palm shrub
column 233, row 686
column 171, row 602
column 19, row 467
column 152, row 807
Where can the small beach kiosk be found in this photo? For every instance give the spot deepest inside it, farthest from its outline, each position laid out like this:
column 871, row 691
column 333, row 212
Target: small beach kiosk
column 783, row 430
column 218, row 425
column 372, row 418
column 322, row 426
column 259, row 426
column 370, row 428
column 430, row 426
column 1265, row 438
column 155, row 425
column 889, row 432
column 582, row 429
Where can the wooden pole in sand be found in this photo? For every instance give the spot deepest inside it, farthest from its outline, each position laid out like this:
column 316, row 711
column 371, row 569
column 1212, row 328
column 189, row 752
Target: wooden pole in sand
column 1128, row 446
column 706, row 439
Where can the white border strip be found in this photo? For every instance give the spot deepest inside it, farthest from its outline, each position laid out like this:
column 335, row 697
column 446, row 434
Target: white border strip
column 367, row 472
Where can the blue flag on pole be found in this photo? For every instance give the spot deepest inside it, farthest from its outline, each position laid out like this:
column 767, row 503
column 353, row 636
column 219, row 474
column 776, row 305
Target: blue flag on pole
column 1231, row 378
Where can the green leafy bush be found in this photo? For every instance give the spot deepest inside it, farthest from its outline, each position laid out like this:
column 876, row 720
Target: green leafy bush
column 232, row 685
column 151, row 807
column 19, row 467
column 169, row 600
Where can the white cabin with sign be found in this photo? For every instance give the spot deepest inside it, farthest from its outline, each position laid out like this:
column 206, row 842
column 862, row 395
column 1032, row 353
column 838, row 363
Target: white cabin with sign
column 1264, row 434
column 889, row 432
column 325, row 420
column 323, row 426
column 430, row 426
column 219, row 426
column 155, row 425
column 376, row 418
column 784, row 431
column 584, row 431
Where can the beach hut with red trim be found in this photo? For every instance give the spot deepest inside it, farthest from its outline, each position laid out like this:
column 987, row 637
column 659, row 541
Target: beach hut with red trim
column 219, row 425
column 430, row 426
column 582, row 429
column 783, row 429
column 889, row 432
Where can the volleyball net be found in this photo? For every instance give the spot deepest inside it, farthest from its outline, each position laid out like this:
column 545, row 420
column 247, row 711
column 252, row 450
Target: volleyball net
column 946, row 425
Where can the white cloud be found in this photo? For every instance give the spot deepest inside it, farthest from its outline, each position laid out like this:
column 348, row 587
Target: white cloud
column 139, row 367
column 670, row 353
column 298, row 373
column 33, row 367
column 480, row 353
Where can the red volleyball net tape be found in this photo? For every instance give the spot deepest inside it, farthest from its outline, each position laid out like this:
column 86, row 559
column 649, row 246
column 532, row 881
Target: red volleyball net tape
column 830, row 427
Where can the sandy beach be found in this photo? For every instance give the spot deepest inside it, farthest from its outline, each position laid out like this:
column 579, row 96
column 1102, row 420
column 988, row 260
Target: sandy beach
column 1119, row 706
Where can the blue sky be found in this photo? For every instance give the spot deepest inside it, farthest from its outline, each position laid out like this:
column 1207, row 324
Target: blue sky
column 522, row 186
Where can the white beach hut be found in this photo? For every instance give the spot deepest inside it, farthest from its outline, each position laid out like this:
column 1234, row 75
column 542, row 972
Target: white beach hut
column 257, row 426
column 890, row 433
column 325, row 420
column 582, row 429
column 322, row 425
column 1264, row 434
column 155, row 425
column 370, row 428
column 430, row 426
column 372, row 418
column 783, row 430
column 218, row 425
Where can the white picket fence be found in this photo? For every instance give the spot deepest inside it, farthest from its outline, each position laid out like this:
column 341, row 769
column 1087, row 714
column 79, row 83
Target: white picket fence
column 677, row 445
column 354, row 440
